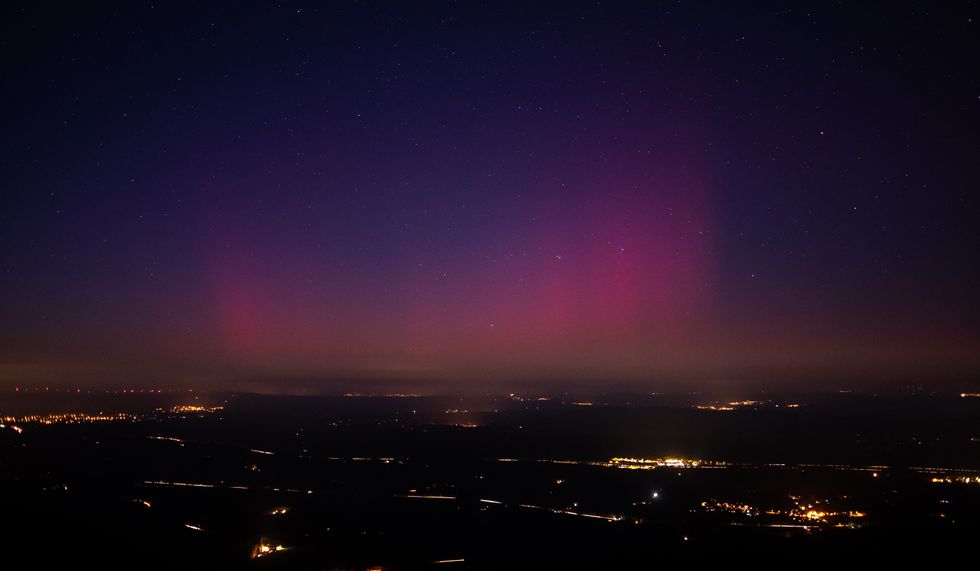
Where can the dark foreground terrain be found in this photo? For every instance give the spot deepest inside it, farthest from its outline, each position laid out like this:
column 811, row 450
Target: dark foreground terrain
column 222, row 481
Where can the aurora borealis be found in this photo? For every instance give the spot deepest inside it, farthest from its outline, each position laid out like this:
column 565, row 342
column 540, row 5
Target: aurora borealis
column 682, row 194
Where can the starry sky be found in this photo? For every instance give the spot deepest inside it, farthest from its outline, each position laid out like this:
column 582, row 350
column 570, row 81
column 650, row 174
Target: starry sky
column 476, row 194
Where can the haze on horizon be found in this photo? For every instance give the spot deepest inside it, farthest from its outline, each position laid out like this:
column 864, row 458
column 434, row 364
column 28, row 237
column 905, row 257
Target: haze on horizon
column 561, row 195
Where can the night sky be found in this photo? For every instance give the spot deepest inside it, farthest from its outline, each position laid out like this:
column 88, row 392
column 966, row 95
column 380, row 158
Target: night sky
column 680, row 194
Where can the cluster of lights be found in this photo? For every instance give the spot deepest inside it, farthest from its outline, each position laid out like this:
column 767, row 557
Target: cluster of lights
column 84, row 417
column 73, row 418
column 821, row 516
column 264, row 549
column 727, row 406
column 956, row 479
column 655, row 463
column 714, row 407
column 729, row 507
column 191, row 408
column 814, row 512
column 733, row 405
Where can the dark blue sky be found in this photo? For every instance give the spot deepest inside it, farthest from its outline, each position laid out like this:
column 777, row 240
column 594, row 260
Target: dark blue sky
column 681, row 193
